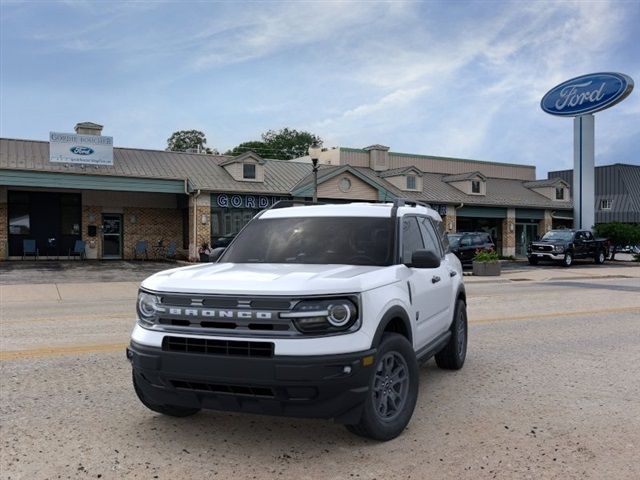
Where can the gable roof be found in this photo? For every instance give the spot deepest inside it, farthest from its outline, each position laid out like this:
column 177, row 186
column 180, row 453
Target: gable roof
column 249, row 154
column 547, row 182
column 463, row 176
column 327, row 172
column 394, row 172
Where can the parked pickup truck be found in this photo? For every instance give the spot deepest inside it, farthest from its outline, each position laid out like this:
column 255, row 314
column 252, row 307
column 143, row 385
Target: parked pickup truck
column 566, row 245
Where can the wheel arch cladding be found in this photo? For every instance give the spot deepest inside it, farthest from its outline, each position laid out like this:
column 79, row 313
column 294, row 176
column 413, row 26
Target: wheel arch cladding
column 462, row 294
column 395, row 320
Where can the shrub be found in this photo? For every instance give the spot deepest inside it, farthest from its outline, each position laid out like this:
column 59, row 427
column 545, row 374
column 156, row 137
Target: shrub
column 483, row 256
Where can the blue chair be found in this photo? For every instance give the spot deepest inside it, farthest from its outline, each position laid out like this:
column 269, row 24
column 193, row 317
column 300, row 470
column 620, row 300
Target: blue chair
column 142, row 247
column 79, row 250
column 29, row 248
column 172, row 249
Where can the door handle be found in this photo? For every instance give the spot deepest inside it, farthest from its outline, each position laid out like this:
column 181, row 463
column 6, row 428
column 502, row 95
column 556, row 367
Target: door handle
column 435, row 279
column 452, row 273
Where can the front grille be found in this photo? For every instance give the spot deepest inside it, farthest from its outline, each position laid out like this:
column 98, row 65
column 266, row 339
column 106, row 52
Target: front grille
column 543, row 248
column 217, row 347
column 248, row 390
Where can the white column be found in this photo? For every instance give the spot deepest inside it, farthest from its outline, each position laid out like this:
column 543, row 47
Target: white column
column 583, row 172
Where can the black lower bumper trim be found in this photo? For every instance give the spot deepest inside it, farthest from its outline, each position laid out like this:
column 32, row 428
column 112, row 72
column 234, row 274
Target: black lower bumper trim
column 327, row 386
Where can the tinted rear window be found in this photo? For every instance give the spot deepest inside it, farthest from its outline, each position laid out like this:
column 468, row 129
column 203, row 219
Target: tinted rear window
column 316, row 240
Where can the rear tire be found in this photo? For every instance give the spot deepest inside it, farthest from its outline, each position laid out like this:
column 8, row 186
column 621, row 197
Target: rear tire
column 393, row 391
column 170, row 410
column 453, row 355
column 567, row 261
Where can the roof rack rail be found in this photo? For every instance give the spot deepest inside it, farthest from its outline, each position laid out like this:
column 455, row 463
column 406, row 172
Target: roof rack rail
column 292, row 203
column 401, row 202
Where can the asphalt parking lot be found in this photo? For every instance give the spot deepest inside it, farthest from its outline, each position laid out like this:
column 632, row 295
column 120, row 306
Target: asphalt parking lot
column 550, row 390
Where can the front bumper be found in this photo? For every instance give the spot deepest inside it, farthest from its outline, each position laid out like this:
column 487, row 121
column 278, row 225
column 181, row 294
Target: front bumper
column 323, row 386
column 555, row 256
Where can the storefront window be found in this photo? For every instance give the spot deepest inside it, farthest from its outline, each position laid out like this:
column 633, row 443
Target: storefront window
column 19, row 219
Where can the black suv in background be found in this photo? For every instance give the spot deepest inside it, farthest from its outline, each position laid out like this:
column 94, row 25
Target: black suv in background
column 465, row 244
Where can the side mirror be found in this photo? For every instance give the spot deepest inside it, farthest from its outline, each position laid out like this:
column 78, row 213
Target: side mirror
column 216, row 254
column 424, row 259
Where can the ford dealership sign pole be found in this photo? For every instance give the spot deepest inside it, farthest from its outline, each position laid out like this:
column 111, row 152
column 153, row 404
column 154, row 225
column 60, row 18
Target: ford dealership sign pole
column 580, row 97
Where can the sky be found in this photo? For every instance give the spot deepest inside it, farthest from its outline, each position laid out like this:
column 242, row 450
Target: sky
column 451, row 78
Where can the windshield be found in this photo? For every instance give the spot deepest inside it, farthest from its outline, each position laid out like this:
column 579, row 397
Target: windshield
column 558, row 235
column 318, row 240
column 454, row 239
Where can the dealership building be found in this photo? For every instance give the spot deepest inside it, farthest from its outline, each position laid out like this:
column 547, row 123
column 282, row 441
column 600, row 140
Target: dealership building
column 114, row 198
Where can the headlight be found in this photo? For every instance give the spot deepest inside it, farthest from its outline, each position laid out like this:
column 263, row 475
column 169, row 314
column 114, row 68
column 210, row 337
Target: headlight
column 559, row 248
column 148, row 306
column 324, row 316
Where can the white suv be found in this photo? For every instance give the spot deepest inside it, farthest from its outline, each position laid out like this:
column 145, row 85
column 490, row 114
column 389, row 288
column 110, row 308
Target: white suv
column 312, row 311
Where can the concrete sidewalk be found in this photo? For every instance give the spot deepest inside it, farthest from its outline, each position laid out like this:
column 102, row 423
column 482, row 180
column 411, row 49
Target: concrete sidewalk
column 68, row 292
column 543, row 273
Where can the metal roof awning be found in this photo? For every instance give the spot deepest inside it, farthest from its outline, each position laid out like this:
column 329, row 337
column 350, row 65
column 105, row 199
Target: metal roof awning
column 562, row 215
column 22, row 178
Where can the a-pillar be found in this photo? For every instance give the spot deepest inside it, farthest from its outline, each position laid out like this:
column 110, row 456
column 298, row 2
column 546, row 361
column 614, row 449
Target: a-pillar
column 199, row 223
column 509, row 233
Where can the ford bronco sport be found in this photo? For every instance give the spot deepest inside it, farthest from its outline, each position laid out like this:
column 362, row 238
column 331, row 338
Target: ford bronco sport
column 312, row 311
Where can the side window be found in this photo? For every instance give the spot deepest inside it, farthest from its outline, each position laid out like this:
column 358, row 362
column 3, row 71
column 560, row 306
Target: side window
column 411, row 238
column 430, row 238
column 465, row 241
column 442, row 233
column 478, row 240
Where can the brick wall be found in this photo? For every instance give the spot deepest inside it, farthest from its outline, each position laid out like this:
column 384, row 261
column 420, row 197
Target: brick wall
column 202, row 229
column 152, row 225
column 509, row 233
column 546, row 223
column 92, row 216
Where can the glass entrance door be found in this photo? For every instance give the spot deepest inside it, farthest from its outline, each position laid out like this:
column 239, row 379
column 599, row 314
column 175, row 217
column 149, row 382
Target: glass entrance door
column 525, row 233
column 111, row 235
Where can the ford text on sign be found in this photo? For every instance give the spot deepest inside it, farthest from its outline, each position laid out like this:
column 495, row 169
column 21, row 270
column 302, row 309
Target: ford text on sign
column 80, row 149
column 587, row 94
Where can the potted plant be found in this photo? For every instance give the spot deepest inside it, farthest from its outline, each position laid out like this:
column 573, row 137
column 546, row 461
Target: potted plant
column 486, row 263
column 204, row 252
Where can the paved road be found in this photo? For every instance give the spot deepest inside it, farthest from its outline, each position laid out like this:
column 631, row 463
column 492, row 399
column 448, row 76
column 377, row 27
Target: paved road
column 551, row 389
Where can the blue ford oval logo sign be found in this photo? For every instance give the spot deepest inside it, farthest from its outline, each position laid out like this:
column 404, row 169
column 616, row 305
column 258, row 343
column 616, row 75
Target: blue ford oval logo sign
column 587, row 94
column 81, row 150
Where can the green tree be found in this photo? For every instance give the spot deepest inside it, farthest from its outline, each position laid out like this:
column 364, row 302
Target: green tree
column 283, row 144
column 289, row 143
column 255, row 146
column 183, row 140
column 619, row 234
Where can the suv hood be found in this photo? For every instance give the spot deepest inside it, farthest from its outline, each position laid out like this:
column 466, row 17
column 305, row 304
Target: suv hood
column 271, row 279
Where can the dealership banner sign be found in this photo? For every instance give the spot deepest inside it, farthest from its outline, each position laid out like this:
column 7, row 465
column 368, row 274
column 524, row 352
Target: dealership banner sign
column 587, row 94
column 80, row 149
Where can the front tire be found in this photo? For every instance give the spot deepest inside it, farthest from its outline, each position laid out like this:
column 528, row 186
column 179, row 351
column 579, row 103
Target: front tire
column 453, row 355
column 393, row 391
column 170, row 410
column 532, row 260
column 600, row 257
column 567, row 261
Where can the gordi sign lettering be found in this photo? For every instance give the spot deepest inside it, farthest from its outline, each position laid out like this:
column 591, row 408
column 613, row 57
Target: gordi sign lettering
column 229, row 200
column 587, row 94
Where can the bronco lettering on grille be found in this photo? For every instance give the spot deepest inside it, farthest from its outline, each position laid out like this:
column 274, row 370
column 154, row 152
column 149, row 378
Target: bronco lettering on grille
column 213, row 313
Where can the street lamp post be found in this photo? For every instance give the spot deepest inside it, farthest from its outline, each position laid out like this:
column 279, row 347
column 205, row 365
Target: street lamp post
column 314, row 153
